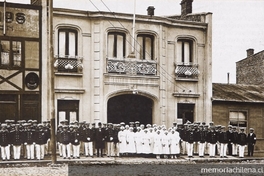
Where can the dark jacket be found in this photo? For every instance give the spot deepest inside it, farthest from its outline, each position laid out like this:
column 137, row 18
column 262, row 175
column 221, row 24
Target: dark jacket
column 242, row 139
column 17, row 137
column 29, row 136
column 109, row 135
column 223, row 137
column 75, row 137
column 251, row 139
column 4, row 138
column 212, row 137
column 87, row 135
column 100, row 138
column 41, row 137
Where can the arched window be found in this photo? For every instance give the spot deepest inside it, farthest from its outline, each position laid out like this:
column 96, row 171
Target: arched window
column 116, row 45
column 67, row 45
column 185, row 51
column 145, row 47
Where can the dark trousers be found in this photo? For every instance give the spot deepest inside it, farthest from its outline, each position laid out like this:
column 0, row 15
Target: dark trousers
column 250, row 149
column 99, row 152
column 229, row 147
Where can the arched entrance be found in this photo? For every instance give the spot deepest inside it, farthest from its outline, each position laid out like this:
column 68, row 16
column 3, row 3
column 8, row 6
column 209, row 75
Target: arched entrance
column 129, row 108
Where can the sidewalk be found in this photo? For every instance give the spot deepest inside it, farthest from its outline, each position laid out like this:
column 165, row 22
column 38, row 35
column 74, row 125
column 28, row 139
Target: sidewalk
column 128, row 160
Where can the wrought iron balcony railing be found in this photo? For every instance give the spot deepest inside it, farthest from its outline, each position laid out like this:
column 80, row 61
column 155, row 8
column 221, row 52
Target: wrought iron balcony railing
column 186, row 71
column 131, row 67
column 67, row 64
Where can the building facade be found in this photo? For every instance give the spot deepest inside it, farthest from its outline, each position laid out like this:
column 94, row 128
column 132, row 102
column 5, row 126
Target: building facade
column 250, row 70
column 20, row 62
column 109, row 70
column 240, row 105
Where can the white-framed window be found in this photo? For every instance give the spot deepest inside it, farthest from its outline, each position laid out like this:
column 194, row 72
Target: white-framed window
column 238, row 118
column 185, row 51
column 116, row 45
column 67, row 45
column 145, row 47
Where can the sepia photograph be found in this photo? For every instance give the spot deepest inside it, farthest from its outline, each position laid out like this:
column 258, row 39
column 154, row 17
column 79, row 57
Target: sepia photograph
column 131, row 87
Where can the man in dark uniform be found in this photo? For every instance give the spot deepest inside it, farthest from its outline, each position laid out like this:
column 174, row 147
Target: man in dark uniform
column 17, row 137
column 4, row 142
column 93, row 129
column 212, row 139
column 87, row 138
column 251, row 138
column 65, row 142
column 202, row 134
column 110, row 140
column 41, row 139
column 100, row 140
column 234, row 140
column 229, row 145
column 29, row 141
column 223, row 140
column 75, row 141
column 242, row 142
column 190, row 140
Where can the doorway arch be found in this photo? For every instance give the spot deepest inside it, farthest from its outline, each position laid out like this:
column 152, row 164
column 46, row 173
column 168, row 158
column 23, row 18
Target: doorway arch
column 130, row 108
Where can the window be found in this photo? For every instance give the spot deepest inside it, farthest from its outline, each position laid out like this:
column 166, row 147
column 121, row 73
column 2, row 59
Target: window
column 10, row 53
column 185, row 51
column 145, row 47
column 67, row 43
column 238, row 118
column 116, row 45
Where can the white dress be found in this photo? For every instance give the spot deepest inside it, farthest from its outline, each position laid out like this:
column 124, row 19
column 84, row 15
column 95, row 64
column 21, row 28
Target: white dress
column 175, row 143
column 165, row 144
column 130, row 138
column 157, row 147
column 145, row 143
column 138, row 141
column 122, row 140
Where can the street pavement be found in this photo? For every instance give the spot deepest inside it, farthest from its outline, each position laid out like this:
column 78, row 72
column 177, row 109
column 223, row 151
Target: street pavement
column 133, row 160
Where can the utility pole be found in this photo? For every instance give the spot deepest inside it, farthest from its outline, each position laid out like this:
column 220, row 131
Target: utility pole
column 52, row 97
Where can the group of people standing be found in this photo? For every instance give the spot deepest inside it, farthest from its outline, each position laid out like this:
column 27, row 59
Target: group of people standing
column 31, row 140
column 215, row 140
column 117, row 140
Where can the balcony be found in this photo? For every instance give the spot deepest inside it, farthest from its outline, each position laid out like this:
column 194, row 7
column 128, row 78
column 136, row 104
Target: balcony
column 131, row 67
column 186, row 72
column 66, row 64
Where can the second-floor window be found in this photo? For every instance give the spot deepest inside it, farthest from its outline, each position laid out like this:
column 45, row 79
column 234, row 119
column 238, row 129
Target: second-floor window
column 10, row 53
column 116, row 45
column 145, row 47
column 67, row 43
column 185, row 51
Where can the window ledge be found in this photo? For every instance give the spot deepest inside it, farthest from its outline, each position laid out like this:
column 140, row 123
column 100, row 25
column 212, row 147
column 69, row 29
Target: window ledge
column 187, row 79
column 131, row 76
column 192, row 95
column 68, row 74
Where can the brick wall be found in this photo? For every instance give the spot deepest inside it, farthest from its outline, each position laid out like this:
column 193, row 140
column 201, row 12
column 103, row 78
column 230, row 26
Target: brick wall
column 251, row 70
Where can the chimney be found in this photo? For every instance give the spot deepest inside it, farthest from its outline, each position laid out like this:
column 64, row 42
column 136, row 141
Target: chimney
column 250, row 52
column 151, row 10
column 186, row 7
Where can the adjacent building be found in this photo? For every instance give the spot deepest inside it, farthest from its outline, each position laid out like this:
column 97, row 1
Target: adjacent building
column 20, row 62
column 240, row 105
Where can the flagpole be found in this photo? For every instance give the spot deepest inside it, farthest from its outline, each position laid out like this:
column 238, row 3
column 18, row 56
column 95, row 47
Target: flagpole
column 133, row 29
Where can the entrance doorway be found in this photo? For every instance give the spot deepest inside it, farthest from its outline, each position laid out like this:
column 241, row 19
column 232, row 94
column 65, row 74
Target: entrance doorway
column 68, row 110
column 129, row 108
column 185, row 112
